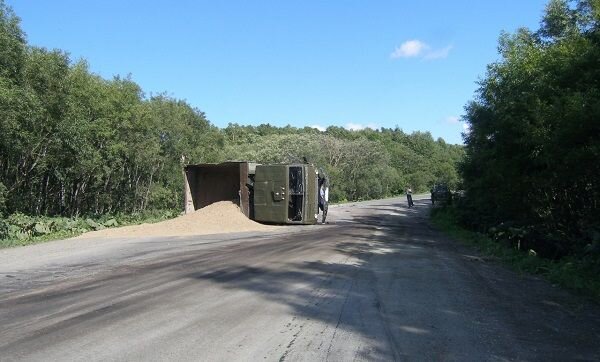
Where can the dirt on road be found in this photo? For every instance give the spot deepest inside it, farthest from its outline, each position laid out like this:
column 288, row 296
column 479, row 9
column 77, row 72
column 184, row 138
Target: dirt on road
column 378, row 283
column 220, row 217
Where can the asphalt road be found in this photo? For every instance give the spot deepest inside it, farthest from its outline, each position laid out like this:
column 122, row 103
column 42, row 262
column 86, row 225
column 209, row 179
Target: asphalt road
column 377, row 283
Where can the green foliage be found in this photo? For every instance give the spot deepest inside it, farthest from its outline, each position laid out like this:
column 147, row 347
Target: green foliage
column 3, row 196
column 12, row 44
column 78, row 144
column 19, row 229
column 362, row 165
column 532, row 152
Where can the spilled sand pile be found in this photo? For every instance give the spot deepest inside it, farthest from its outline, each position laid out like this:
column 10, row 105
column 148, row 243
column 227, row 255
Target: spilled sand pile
column 220, row 217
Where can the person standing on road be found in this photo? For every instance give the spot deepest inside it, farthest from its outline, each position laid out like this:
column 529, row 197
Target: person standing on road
column 323, row 197
column 409, row 197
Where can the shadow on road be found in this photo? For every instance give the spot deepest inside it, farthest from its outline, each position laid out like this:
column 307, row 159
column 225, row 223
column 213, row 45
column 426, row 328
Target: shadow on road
column 378, row 283
column 411, row 293
column 346, row 294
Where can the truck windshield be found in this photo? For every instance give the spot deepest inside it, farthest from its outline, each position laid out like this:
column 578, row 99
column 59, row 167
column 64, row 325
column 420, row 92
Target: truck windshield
column 295, row 193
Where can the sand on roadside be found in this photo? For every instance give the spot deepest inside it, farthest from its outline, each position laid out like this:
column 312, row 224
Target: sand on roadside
column 217, row 218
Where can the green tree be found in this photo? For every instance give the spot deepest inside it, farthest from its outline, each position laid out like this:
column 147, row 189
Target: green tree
column 12, row 44
column 532, row 150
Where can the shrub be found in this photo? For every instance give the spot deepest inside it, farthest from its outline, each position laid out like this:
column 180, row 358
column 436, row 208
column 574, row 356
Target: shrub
column 3, row 196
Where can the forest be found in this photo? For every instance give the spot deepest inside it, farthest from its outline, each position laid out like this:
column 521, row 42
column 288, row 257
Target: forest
column 531, row 172
column 75, row 144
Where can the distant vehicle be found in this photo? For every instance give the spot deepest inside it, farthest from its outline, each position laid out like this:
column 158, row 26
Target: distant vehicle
column 440, row 193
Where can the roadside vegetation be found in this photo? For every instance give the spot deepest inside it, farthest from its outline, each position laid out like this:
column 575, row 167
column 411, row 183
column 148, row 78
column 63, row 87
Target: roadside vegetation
column 575, row 272
column 78, row 150
column 531, row 171
column 19, row 229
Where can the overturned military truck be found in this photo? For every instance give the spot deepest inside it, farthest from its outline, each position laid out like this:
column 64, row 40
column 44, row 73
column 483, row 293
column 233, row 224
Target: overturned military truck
column 276, row 194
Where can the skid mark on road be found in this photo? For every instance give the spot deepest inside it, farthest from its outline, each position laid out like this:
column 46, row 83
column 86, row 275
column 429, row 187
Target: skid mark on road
column 289, row 346
column 339, row 320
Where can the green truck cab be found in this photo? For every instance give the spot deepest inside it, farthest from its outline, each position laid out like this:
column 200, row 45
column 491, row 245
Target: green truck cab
column 286, row 194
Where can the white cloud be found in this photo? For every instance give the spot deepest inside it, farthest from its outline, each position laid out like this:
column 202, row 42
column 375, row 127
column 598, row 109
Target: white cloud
column 320, row 128
column 418, row 49
column 358, row 127
column 408, row 49
column 452, row 120
column 439, row 53
column 456, row 121
column 354, row 126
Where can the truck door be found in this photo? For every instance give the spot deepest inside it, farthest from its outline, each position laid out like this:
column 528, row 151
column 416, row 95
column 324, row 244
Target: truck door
column 271, row 194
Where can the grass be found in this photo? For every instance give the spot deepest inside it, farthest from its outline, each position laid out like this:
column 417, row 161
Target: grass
column 12, row 242
column 579, row 274
column 20, row 230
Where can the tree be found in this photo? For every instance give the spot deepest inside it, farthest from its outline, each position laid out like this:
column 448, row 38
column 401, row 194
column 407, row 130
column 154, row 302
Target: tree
column 12, row 45
column 532, row 150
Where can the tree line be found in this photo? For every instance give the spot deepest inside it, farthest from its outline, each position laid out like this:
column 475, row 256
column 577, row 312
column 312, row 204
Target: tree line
column 365, row 164
column 73, row 143
column 533, row 151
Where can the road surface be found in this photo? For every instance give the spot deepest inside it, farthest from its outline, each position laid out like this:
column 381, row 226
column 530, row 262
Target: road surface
column 377, row 283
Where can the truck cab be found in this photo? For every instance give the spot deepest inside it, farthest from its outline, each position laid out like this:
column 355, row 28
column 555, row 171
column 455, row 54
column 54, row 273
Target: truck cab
column 286, row 194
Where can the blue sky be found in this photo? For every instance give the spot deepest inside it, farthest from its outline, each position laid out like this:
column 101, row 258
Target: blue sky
column 411, row 64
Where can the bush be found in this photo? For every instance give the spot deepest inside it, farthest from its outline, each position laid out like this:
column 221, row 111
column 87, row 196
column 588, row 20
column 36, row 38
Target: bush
column 3, row 196
column 3, row 229
column 20, row 229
